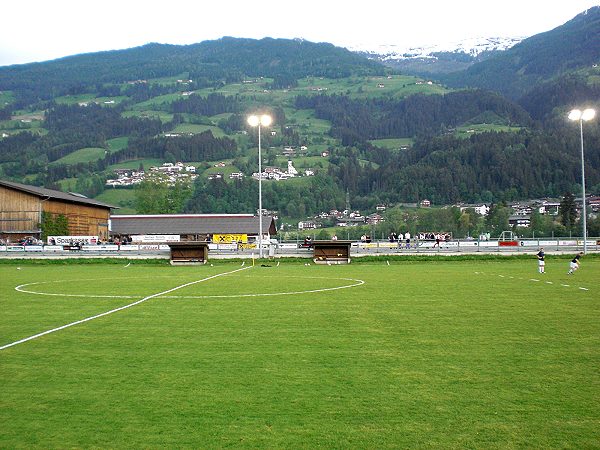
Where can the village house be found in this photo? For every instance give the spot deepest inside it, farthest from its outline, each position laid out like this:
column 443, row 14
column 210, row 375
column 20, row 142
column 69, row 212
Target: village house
column 374, row 219
column 519, row 220
column 307, row 225
column 481, row 209
column 171, row 173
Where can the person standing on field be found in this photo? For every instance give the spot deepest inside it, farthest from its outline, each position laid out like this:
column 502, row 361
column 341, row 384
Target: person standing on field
column 541, row 262
column 574, row 264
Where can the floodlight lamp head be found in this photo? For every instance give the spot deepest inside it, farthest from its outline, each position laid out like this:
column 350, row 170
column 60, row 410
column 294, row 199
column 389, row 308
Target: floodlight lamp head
column 253, row 120
column 575, row 114
column 265, row 120
column 588, row 114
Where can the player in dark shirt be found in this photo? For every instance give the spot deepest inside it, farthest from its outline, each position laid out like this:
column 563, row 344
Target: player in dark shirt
column 541, row 262
column 574, row 264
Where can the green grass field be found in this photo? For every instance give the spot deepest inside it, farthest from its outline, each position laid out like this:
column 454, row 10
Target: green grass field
column 197, row 129
column 396, row 144
column 123, row 198
column 6, row 98
column 427, row 354
column 82, row 155
column 467, row 130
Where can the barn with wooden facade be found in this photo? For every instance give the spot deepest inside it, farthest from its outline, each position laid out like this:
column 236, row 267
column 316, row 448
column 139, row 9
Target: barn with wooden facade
column 21, row 208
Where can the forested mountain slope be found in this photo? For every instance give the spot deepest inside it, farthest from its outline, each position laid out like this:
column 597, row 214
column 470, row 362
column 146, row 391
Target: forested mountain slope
column 358, row 128
column 540, row 58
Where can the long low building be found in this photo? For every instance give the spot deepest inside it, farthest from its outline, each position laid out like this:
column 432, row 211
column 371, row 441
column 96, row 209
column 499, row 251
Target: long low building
column 192, row 227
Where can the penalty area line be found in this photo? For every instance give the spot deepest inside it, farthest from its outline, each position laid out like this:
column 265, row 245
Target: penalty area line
column 121, row 308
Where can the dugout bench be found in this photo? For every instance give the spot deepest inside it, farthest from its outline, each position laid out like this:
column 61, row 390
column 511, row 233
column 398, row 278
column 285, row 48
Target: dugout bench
column 190, row 252
column 331, row 252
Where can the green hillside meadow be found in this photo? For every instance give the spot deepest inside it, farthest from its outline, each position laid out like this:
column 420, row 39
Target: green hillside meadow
column 433, row 354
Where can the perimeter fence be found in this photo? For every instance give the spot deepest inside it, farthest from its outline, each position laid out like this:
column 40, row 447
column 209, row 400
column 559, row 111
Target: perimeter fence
column 274, row 249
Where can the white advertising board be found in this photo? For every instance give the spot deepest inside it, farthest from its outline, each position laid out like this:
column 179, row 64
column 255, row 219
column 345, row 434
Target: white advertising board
column 69, row 240
column 212, row 246
column 34, row 248
column 131, row 248
column 528, row 243
column 53, row 248
column 143, row 247
column 568, row 243
column 288, row 246
column 449, row 244
column 154, row 247
column 95, row 248
column 155, row 238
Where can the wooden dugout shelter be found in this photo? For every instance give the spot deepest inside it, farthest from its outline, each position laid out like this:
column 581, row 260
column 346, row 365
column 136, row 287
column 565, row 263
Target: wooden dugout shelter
column 332, row 252
column 189, row 252
column 21, row 208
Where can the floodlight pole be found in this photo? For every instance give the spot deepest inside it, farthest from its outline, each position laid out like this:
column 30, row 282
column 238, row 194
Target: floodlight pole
column 260, row 227
column 583, row 189
column 580, row 116
column 257, row 121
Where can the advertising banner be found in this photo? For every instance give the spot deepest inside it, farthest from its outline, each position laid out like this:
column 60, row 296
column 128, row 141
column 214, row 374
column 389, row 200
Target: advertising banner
column 529, row 243
column 223, row 246
column 34, row 248
column 155, row 238
column 568, row 243
column 146, row 247
column 95, row 248
column 288, row 246
column 230, row 238
column 72, row 240
column 53, row 248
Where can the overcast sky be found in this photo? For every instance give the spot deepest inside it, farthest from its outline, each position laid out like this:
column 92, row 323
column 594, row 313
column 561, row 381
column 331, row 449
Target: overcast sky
column 39, row 30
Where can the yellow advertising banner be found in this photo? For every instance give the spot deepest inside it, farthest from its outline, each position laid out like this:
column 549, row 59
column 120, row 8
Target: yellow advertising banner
column 230, row 238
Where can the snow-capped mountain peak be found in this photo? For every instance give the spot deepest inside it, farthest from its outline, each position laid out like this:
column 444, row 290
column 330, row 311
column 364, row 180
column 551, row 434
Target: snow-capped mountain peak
column 473, row 47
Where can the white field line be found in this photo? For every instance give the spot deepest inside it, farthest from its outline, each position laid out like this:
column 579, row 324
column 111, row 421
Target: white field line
column 536, row 280
column 309, row 291
column 87, row 319
column 356, row 282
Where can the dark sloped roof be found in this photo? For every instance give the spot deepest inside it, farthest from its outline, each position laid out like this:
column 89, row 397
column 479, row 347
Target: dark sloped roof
column 50, row 193
column 190, row 224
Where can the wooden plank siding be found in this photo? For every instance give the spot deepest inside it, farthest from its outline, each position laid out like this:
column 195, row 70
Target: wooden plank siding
column 20, row 212
column 83, row 220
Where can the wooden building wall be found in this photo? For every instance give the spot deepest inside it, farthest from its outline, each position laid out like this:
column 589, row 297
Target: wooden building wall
column 84, row 220
column 20, row 213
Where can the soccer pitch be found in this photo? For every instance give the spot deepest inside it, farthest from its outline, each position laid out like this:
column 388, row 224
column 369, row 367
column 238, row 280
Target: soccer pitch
column 379, row 354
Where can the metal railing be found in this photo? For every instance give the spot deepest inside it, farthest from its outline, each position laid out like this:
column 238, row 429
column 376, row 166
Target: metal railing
column 293, row 248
